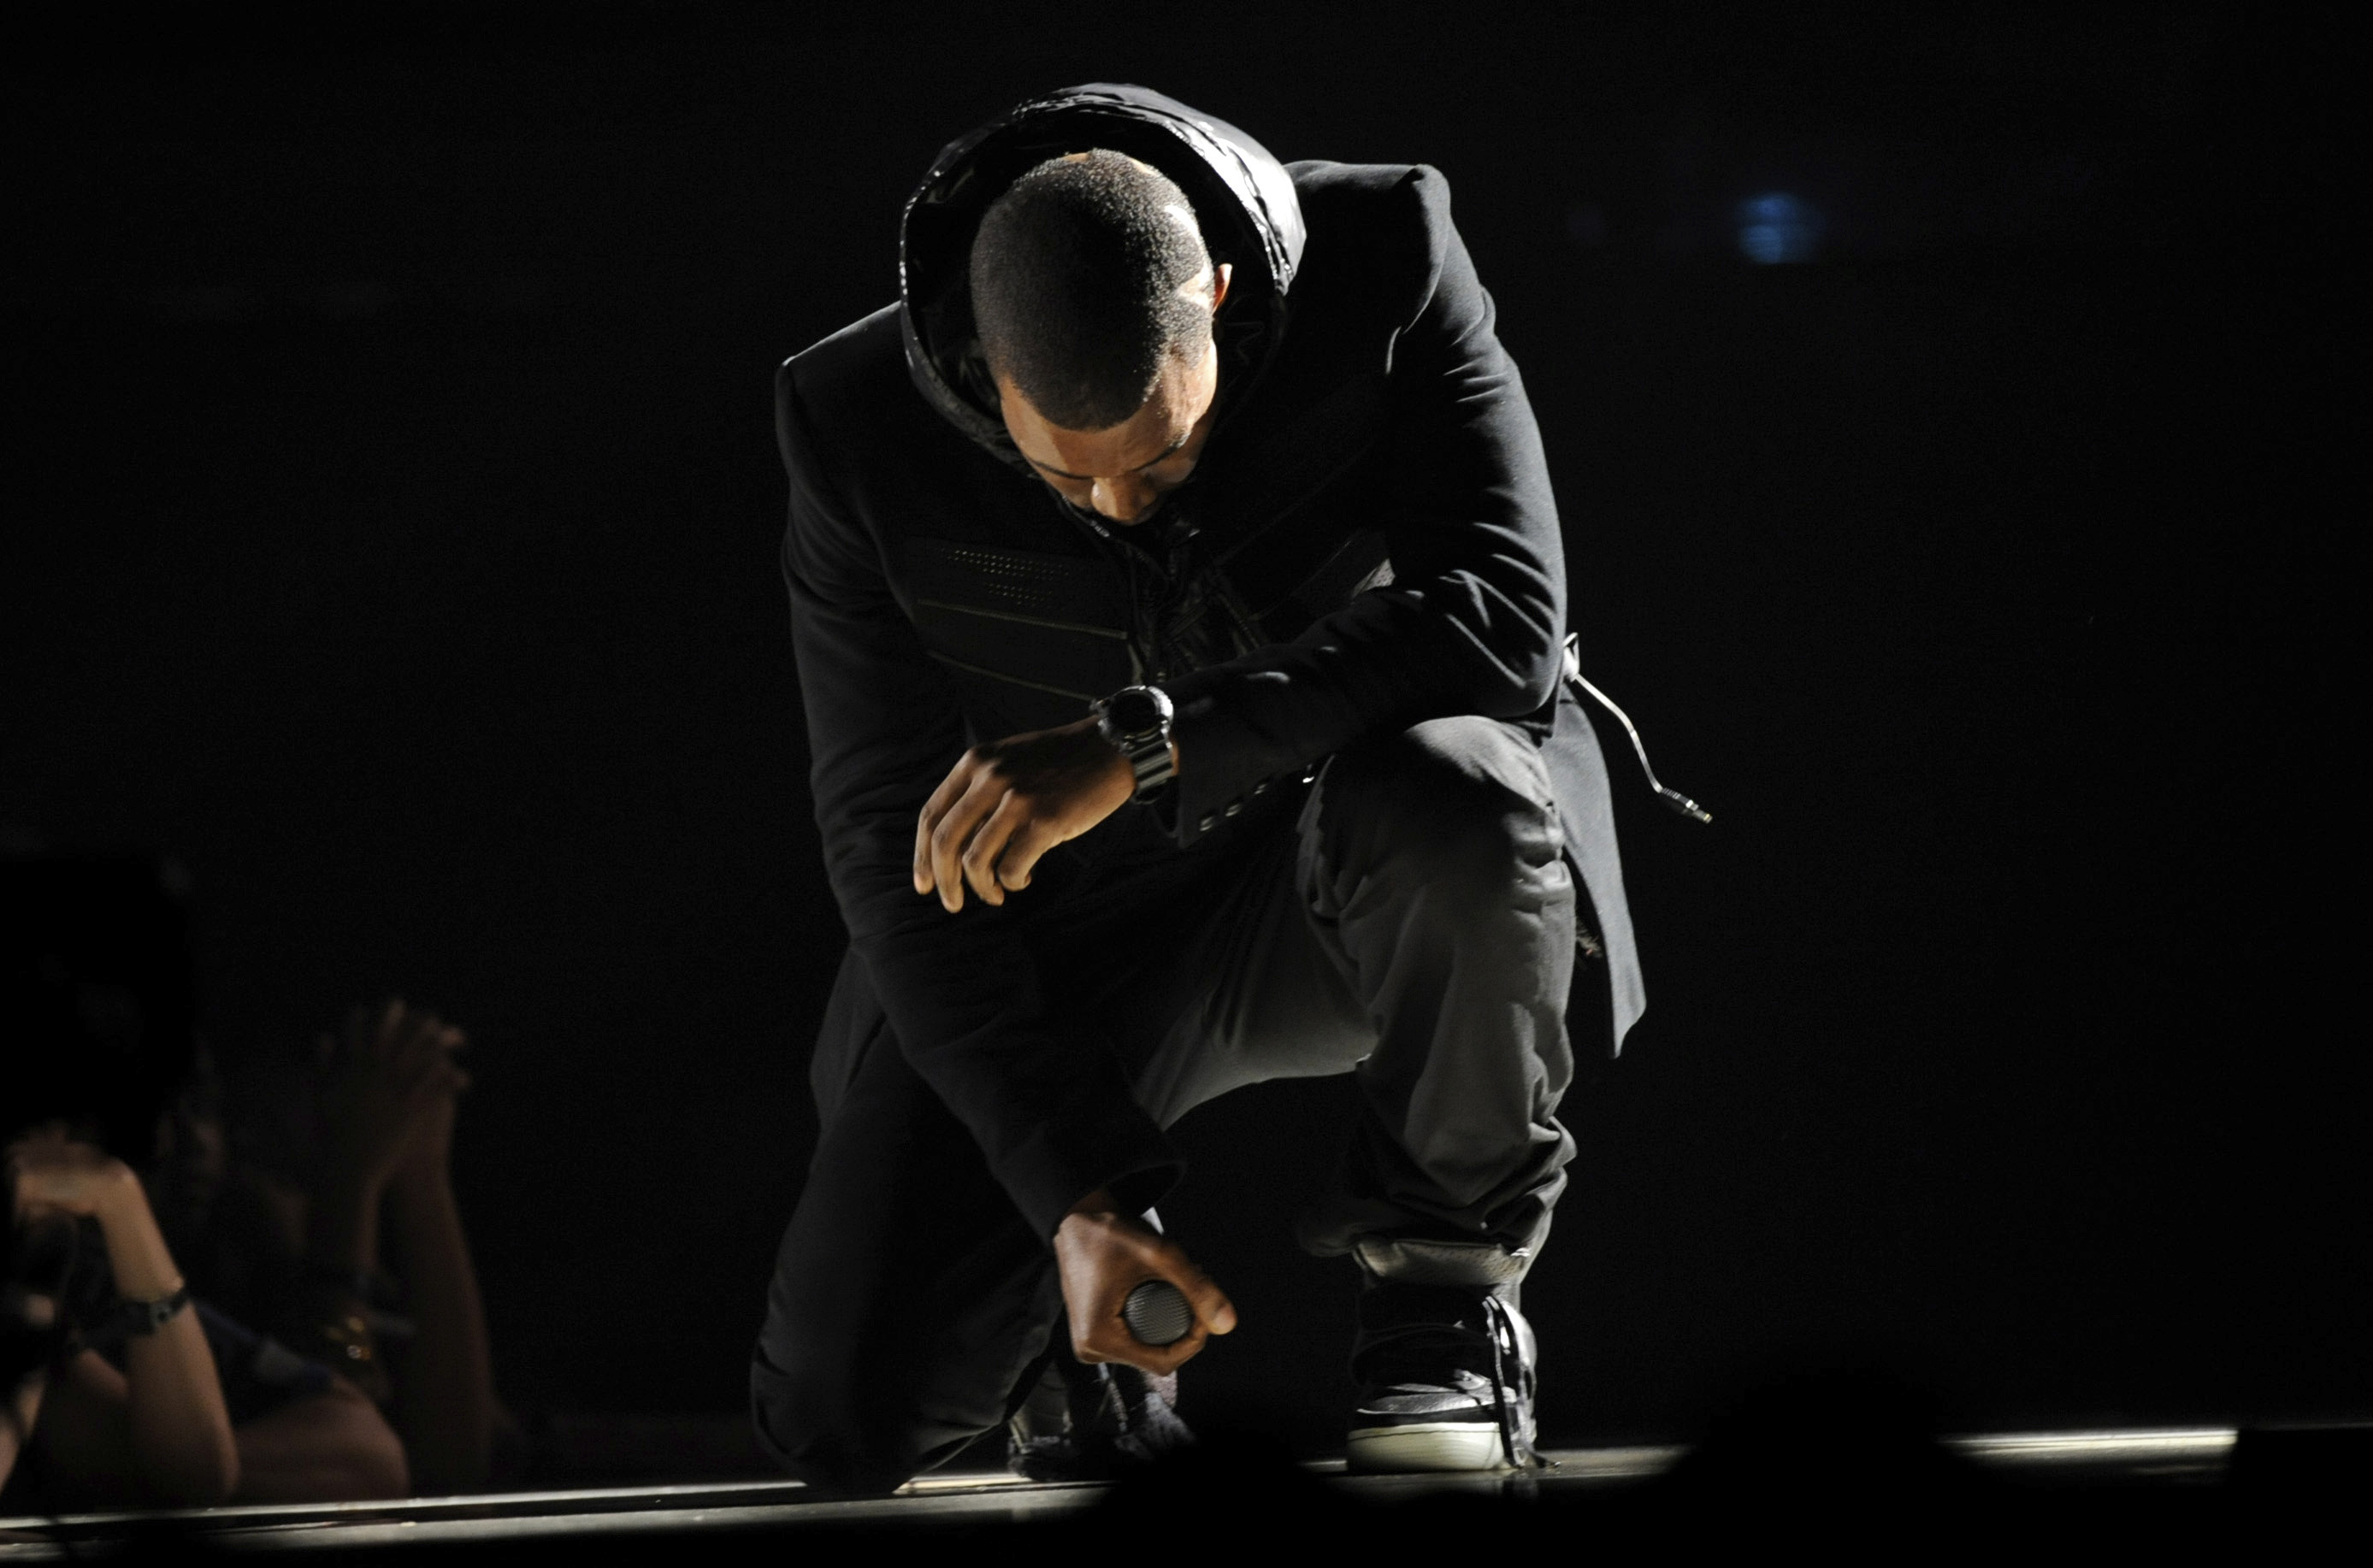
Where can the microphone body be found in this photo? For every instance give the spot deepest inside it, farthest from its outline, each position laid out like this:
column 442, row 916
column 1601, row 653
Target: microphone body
column 1157, row 1312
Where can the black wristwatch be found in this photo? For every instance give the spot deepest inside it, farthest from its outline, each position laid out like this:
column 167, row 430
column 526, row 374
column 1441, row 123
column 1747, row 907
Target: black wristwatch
column 1137, row 720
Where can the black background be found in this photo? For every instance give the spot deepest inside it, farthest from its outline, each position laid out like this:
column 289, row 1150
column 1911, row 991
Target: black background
column 392, row 515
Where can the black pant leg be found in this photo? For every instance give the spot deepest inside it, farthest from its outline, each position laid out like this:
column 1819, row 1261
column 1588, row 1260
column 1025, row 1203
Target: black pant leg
column 1436, row 870
column 909, row 1294
column 1416, row 929
column 1434, row 861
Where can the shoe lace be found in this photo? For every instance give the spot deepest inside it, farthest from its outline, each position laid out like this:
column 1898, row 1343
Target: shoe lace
column 1500, row 1327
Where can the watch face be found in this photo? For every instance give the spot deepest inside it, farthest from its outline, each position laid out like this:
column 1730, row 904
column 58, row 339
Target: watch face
column 1134, row 712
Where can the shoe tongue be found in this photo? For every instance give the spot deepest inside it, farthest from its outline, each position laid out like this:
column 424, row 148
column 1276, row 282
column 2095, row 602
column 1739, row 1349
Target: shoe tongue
column 1422, row 1334
column 1422, row 1358
column 1397, row 1305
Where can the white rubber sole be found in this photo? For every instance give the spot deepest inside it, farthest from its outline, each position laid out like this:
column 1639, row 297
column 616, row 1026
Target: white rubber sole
column 1425, row 1445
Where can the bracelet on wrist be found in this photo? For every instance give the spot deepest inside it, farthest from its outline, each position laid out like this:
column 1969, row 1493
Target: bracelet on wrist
column 344, row 1342
column 137, row 1316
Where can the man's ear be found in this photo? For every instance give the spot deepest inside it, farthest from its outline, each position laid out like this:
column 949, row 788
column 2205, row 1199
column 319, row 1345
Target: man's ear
column 1221, row 275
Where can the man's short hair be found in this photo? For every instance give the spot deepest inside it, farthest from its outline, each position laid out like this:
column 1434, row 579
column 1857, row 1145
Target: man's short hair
column 1076, row 278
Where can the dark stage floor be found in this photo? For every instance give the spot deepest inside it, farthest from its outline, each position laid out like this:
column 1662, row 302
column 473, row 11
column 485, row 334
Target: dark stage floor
column 2152, row 1468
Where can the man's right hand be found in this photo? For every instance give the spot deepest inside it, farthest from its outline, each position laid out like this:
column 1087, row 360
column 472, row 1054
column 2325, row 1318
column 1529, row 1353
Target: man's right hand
column 1101, row 1256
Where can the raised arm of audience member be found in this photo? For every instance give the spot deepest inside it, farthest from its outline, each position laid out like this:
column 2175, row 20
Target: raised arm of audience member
column 157, row 1432
column 381, row 1084
column 445, row 1400
column 387, row 1127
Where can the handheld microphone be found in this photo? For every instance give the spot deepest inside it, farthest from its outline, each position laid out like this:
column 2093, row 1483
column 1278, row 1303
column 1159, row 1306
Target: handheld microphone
column 1157, row 1312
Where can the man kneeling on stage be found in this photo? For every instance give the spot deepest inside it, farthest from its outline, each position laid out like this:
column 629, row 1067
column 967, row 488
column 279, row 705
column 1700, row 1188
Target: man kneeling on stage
column 1180, row 617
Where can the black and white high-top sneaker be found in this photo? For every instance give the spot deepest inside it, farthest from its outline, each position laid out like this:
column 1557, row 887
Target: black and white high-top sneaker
column 1445, row 1367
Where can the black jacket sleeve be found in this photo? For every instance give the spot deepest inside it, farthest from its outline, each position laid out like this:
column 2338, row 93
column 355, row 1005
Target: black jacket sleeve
column 1053, row 1115
column 1473, row 620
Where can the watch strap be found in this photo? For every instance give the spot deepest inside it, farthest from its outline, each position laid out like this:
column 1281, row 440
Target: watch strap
column 1148, row 750
column 1151, row 767
column 148, row 1316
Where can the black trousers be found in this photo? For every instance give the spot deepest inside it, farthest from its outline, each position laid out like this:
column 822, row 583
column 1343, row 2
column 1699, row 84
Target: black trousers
column 1412, row 925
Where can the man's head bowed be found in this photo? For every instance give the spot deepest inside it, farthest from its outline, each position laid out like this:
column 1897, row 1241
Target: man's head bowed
column 1089, row 275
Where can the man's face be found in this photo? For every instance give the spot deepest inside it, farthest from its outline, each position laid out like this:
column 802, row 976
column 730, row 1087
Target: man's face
column 1123, row 473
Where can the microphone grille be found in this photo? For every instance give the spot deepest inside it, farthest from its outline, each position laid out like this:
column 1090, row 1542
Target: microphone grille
column 1157, row 1312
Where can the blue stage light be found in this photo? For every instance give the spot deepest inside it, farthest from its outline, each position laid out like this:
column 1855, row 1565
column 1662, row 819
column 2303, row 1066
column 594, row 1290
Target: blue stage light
column 1778, row 227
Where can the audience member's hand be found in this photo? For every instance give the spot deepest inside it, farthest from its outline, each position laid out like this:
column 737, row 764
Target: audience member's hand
column 388, row 1083
column 430, row 1157
column 54, row 1174
column 155, row 1430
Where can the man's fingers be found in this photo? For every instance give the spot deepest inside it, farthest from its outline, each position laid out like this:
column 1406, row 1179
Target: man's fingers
column 951, row 790
column 926, row 822
column 941, row 831
column 1066, row 773
column 1167, row 1259
column 1169, row 1358
column 1162, row 1359
column 1212, row 1304
column 1113, row 1342
column 981, row 868
column 1022, row 852
column 954, row 832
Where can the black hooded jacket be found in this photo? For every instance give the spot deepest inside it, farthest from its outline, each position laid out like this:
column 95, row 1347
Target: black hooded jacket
column 1368, row 541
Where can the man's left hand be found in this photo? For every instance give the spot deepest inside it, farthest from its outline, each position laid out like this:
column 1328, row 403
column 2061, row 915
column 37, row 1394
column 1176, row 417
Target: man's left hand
column 1008, row 802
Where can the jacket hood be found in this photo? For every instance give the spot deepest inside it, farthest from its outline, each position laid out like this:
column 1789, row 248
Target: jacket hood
column 1243, row 199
